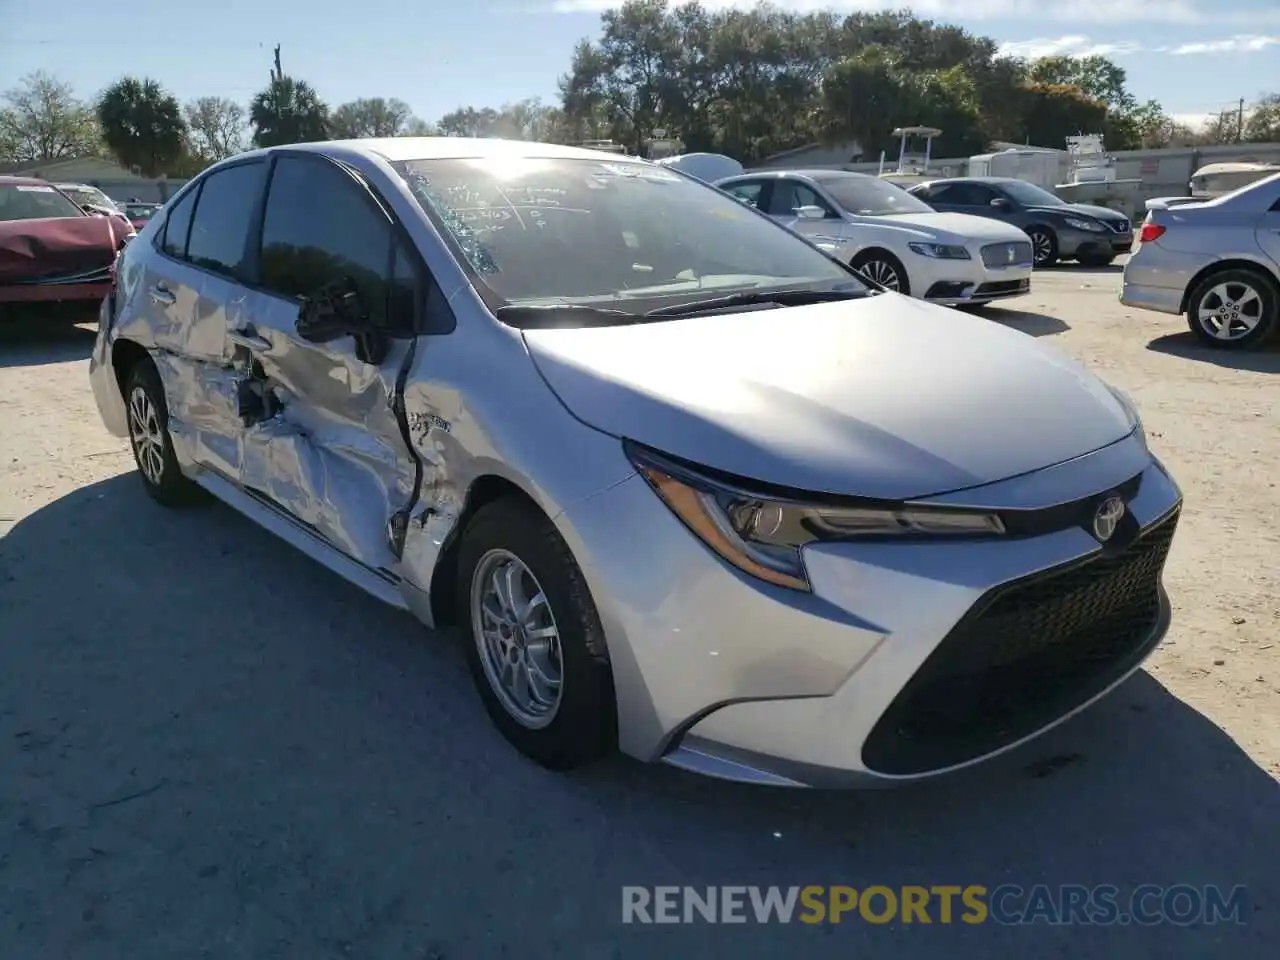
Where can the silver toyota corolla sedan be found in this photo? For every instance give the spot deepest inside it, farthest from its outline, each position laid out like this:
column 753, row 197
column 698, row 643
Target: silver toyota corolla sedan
column 685, row 484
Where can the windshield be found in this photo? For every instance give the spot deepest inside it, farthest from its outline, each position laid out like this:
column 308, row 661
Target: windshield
column 34, row 201
column 622, row 235
column 1029, row 195
column 872, row 197
column 92, row 195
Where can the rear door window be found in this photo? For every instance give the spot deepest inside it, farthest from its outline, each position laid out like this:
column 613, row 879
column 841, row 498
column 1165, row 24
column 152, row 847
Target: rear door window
column 223, row 217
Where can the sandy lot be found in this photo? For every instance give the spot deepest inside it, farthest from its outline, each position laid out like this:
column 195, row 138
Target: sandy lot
column 211, row 747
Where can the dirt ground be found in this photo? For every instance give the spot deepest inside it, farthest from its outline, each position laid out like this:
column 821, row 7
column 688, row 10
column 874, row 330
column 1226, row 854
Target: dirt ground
column 212, row 747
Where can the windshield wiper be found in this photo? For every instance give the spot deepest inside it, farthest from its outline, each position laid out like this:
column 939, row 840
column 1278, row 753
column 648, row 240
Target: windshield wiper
column 746, row 298
column 552, row 315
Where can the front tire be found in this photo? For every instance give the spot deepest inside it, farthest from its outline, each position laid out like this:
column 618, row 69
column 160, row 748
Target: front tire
column 1234, row 309
column 148, row 418
column 884, row 269
column 1044, row 246
column 535, row 645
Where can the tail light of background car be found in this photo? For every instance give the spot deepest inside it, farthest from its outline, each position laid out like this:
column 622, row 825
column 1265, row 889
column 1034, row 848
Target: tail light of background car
column 1151, row 231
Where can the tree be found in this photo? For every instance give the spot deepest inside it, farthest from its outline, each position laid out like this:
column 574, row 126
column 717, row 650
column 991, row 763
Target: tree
column 1263, row 122
column 142, row 125
column 374, row 117
column 215, row 128
column 1053, row 112
column 287, row 111
column 417, row 127
column 41, row 119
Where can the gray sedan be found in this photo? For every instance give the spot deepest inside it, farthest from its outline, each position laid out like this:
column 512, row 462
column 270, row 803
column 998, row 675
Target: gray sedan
column 1059, row 230
column 686, row 486
column 1218, row 262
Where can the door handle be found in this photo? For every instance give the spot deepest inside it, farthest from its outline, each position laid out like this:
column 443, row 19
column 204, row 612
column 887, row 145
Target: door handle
column 250, row 341
column 161, row 294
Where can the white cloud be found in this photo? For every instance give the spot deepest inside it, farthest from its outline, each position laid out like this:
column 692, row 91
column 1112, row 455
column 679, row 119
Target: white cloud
column 1072, row 46
column 1195, row 121
column 1062, row 11
column 1245, row 43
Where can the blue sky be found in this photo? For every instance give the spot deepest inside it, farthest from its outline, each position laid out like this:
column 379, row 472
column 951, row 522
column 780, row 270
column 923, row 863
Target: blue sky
column 1195, row 56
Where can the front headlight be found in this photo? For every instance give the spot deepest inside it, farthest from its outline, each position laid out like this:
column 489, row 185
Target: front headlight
column 1093, row 226
column 762, row 533
column 940, row 251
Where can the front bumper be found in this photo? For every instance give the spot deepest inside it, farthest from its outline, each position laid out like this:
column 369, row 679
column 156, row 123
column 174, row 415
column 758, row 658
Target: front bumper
column 102, row 377
column 721, row 674
column 55, row 292
column 1077, row 243
column 956, row 282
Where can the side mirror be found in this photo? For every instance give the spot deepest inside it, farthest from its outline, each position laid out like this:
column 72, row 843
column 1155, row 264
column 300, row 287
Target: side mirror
column 810, row 212
column 1000, row 203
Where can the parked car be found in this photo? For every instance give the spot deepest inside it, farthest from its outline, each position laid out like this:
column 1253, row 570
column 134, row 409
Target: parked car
column 94, row 201
column 140, row 213
column 890, row 237
column 51, row 250
column 1094, row 236
column 685, row 483
column 1217, row 262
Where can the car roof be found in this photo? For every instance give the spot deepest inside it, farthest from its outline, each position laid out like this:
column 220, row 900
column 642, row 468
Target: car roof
column 396, row 149
column 810, row 174
column 24, row 182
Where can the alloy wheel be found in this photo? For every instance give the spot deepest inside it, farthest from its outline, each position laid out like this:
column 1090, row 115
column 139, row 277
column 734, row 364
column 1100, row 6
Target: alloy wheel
column 1041, row 246
column 147, row 435
column 516, row 636
column 1230, row 310
column 882, row 272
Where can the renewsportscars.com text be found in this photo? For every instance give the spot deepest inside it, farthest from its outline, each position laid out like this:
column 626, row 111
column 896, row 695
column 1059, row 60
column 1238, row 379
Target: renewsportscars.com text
column 1008, row 904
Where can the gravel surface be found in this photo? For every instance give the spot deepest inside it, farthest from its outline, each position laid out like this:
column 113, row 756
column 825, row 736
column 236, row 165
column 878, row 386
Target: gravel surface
column 212, row 747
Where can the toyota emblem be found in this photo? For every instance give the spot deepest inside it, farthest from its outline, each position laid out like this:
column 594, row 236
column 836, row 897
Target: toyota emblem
column 1107, row 518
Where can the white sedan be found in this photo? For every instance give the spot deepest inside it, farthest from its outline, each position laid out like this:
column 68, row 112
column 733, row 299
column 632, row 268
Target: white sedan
column 892, row 238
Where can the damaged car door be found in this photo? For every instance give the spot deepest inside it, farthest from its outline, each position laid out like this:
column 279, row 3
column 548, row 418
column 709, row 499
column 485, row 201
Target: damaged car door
column 188, row 298
column 332, row 337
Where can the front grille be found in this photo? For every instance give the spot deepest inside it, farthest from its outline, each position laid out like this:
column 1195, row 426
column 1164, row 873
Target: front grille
column 1119, row 226
column 1028, row 653
column 1013, row 254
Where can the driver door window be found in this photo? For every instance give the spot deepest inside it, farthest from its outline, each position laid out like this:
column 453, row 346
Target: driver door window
column 791, row 195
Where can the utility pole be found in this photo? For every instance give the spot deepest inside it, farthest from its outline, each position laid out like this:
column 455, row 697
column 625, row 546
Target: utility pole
column 1240, row 121
column 276, row 76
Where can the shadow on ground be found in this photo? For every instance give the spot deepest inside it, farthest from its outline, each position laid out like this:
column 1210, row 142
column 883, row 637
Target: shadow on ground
column 1116, row 266
column 31, row 344
column 1034, row 324
column 1263, row 359
column 212, row 746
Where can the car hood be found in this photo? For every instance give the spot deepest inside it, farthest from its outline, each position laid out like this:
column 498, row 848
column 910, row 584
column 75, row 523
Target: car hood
column 885, row 397
column 958, row 227
column 57, row 248
column 1081, row 209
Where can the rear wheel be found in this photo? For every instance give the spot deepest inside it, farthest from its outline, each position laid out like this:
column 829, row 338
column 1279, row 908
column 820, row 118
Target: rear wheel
column 1234, row 309
column 536, row 648
column 882, row 268
column 148, row 417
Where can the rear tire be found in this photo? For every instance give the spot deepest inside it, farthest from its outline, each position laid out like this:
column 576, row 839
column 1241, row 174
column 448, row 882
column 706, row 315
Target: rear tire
column 1234, row 309
column 525, row 609
column 148, row 419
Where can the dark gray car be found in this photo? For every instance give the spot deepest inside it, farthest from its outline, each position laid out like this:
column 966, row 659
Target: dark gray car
column 1059, row 230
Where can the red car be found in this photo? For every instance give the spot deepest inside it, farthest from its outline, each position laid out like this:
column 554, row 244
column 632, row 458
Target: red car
column 51, row 250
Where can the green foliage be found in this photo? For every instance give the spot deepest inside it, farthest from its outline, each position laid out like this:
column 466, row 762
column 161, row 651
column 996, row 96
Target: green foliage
column 374, row 117
column 288, row 111
column 41, row 119
column 142, row 125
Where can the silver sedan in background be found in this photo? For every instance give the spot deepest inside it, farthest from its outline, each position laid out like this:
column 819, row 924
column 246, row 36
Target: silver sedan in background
column 684, row 483
column 1217, row 262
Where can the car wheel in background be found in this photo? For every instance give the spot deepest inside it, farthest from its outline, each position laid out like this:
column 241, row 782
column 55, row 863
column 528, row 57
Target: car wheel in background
column 535, row 644
column 1044, row 246
column 882, row 268
column 148, row 418
column 1234, row 309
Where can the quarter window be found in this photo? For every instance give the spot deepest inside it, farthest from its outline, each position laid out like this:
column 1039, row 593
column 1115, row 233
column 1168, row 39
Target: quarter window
column 319, row 226
column 178, row 224
column 224, row 214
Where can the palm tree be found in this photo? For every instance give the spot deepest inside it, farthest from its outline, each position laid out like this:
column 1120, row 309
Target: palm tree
column 288, row 111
